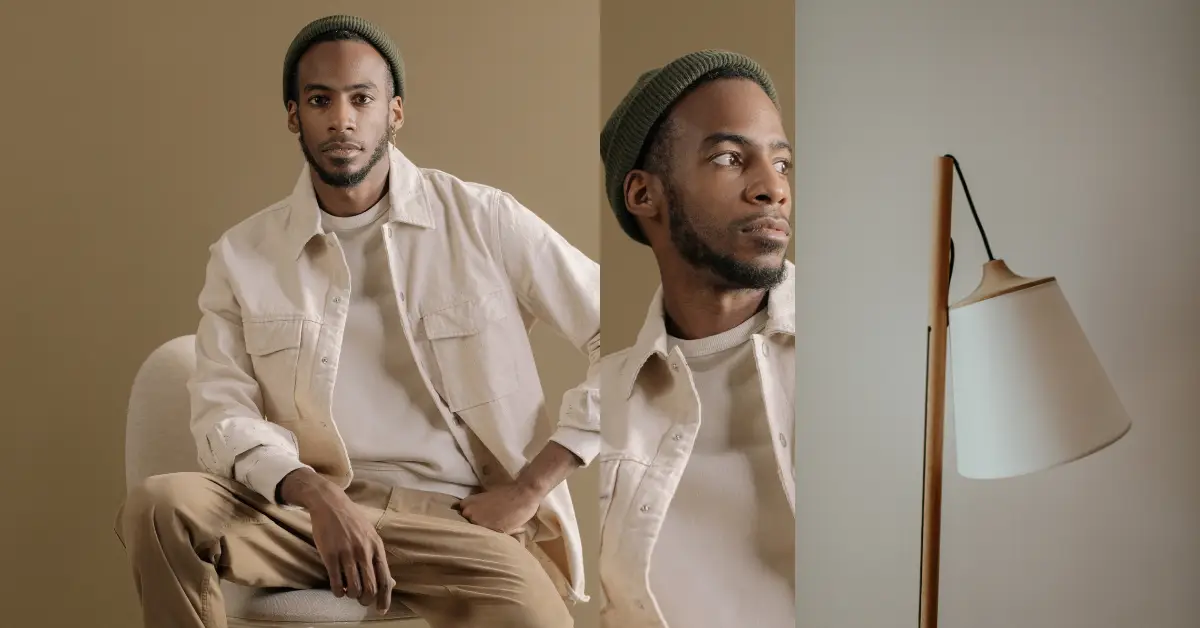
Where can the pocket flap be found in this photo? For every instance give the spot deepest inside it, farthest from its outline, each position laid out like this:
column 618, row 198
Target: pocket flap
column 266, row 337
column 467, row 318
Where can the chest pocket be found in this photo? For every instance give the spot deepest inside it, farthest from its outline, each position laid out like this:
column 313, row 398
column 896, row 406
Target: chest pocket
column 274, row 348
column 469, row 342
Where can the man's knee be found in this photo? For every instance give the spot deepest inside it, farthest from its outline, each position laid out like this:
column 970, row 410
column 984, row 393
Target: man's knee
column 158, row 500
column 536, row 601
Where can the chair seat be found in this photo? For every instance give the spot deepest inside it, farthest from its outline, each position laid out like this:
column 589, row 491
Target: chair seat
column 315, row 606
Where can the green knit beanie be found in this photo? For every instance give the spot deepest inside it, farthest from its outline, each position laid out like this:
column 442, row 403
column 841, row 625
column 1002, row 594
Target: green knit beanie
column 628, row 128
column 368, row 31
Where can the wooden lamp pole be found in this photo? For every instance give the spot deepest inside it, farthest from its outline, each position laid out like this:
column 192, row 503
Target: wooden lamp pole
column 935, row 392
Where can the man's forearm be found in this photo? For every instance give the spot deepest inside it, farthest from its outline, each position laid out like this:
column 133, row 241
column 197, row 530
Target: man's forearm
column 553, row 464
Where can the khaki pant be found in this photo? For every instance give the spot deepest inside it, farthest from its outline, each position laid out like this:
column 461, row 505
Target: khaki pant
column 184, row 531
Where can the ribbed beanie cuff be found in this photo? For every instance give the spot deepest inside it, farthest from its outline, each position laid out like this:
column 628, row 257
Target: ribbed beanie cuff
column 627, row 130
column 368, row 31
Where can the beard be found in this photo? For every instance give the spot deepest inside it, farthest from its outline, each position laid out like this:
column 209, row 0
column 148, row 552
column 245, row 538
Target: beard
column 350, row 178
column 693, row 244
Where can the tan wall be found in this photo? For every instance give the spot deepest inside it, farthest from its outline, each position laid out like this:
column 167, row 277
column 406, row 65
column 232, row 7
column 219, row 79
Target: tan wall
column 636, row 36
column 133, row 137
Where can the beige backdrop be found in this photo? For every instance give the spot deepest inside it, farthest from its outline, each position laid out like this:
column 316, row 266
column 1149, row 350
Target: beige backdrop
column 636, row 36
column 135, row 133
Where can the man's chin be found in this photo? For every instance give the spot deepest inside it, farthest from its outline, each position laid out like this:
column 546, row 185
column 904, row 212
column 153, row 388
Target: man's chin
column 758, row 273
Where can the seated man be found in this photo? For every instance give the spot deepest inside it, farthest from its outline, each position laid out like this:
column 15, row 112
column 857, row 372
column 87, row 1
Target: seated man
column 366, row 404
column 696, row 466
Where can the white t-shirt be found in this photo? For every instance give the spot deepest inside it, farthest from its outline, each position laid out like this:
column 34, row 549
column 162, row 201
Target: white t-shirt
column 725, row 557
column 385, row 414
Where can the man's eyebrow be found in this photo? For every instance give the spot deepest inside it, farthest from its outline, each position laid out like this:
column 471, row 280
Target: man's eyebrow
column 742, row 140
column 318, row 87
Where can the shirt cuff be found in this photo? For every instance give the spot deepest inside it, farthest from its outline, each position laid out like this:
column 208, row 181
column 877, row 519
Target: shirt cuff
column 585, row 444
column 263, row 468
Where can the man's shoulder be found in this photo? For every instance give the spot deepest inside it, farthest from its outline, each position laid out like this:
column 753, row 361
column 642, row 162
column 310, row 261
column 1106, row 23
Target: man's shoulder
column 467, row 193
column 612, row 369
column 253, row 229
column 615, row 361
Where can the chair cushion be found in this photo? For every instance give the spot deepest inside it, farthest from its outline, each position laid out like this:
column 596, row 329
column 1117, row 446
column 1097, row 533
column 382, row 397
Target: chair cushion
column 318, row 605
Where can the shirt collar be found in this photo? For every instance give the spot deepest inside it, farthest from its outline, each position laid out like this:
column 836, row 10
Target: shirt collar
column 652, row 339
column 406, row 193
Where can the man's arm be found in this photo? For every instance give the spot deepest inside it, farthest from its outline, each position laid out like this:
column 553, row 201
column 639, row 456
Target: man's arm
column 233, row 438
column 560, row 286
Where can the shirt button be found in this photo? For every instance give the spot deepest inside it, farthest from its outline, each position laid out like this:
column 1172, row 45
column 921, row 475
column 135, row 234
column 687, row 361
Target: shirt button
column 645, row 507
column 677, row 436
column 324, row 360
column 337, row 299
column 782, row 439
column 675, row 366
column 401, row 295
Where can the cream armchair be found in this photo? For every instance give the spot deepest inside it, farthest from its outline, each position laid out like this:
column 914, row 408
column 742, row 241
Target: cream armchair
column 157, row 440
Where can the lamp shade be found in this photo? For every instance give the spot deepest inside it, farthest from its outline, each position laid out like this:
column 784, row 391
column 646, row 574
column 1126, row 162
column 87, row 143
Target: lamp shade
column 1029, row 392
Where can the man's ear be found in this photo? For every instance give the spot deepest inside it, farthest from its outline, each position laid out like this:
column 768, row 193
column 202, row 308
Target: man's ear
column 397, row 112
column 643, row 194
column 293, row 117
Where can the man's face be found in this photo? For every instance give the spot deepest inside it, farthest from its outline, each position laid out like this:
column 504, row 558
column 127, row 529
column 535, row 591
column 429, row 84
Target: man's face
column 344, row 116
column 729, row 200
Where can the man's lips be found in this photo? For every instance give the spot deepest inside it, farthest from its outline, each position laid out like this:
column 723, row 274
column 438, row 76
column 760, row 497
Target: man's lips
column 769, row 225
column 340, row 147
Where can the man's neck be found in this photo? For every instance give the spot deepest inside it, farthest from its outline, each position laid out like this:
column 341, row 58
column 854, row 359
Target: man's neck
column 696, row 305
column 355, row 200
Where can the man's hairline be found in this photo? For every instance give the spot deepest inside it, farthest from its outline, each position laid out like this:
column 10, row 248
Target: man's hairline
column 667, row 127
column 388, row 70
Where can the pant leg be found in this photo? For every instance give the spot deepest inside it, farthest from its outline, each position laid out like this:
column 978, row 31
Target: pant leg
column 185, row 531
column 455, row 574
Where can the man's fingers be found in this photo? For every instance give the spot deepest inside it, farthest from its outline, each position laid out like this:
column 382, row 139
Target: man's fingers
column 353, row 584
column 369, row 583
column 383, row 578
column 334, row 568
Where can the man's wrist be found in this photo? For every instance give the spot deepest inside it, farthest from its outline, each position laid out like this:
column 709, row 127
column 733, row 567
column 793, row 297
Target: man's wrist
column 548, row 469
column 533, row 486
column 304, row 488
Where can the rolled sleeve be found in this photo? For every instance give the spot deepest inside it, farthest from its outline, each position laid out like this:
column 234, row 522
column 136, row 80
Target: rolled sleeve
column 263, row 468
column 579, row 424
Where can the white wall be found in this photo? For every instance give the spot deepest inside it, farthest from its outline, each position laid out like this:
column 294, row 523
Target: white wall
column 1078, row 127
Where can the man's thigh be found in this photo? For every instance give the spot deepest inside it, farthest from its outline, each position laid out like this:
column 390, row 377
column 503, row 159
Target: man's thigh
column 430, row 544
column 248, row 539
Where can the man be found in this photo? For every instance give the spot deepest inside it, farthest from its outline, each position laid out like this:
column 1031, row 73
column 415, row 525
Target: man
column 696, row 467
column 366, row 404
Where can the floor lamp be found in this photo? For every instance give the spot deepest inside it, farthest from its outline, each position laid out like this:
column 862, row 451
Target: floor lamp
column 1029, row 392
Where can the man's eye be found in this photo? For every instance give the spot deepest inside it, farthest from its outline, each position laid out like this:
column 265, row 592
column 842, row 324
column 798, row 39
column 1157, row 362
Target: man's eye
column 362, row 100
column 726, row 159
column 783, row 167
column 316, row 101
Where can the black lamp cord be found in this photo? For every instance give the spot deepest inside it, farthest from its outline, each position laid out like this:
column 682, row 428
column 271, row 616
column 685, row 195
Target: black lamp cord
column 987, row 246
column 929, row 331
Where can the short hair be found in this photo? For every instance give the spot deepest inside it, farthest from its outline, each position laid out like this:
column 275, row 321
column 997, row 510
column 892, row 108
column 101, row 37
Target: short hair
column 658, row 152
column 293, row 90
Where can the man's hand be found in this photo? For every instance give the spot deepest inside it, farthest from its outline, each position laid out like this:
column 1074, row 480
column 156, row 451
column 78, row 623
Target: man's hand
column 504, row 508
column 508, row 507
column 349, row 546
